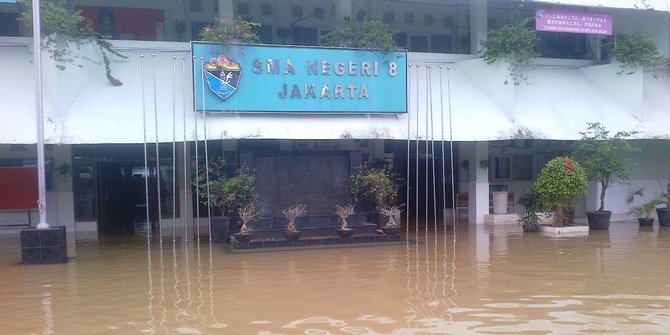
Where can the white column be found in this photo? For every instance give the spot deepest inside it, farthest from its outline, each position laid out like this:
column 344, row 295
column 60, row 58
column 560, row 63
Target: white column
column 478, row 188
column 478, row 24
column 226, row 9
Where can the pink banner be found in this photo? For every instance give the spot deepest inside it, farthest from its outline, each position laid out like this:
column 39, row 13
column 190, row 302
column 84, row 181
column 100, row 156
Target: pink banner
column 573, row 22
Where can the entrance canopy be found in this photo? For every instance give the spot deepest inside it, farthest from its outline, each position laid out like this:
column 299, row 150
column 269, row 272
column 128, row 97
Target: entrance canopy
column 449, row 96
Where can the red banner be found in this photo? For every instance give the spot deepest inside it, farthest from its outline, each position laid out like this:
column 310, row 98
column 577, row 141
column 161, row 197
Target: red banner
column 18, row 188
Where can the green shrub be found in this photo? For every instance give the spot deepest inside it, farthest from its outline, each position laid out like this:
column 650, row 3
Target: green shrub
column 363, row 34
column 531, row 200
column 514, row 43
column 231, row 31
column 561, row 180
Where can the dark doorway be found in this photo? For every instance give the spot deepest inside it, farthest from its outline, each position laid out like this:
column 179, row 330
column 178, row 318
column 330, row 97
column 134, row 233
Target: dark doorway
column 122, row 199
column 428, row 183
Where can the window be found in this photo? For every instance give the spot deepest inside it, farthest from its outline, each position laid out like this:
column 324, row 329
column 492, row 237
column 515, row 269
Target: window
column 522, row 167
column 265, row 33
column 448, row 21
column 562, row 45
column 196, row 6
column 400, row 40
column 319, row 13
column 502, row 168
column 515, row 167
column 296, row 11
column 440, row 43
column 242, row 9
column 419, row 43
column 9, row 24
column 361, row 15
column 266, row 10
column 428, row 19
column 18, row 147
column 409, row 18
column 196, row 27
column 388, row 17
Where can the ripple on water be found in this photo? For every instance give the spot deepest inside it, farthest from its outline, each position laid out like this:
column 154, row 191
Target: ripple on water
column 316, row 319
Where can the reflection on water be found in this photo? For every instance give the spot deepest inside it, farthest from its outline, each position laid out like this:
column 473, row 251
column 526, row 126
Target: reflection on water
column 484, row 280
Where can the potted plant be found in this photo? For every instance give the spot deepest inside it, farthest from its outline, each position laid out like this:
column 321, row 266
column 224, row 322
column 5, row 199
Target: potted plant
column 226, row 193
column 391, row 212
column 603, row 157
column 377, row 184
column 531, row 200
column 664, row 212
column 247, row 214
column 292, row 233
column 343, row 212
column 645, row 208
column 559, row 182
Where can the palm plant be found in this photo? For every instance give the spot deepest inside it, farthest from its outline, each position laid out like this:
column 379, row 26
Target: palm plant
column 646, row 207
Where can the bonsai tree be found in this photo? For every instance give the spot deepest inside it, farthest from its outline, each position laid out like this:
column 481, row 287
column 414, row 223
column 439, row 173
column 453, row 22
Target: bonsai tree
column 344, row 212
column 247, row 214
column 531, row 200
column 514, row 43
column 66, row 32
column 362, row 34
column 228, row 31
column 390, row 212
column 225, row 193
column 291, row 213
column 559, row 182
column 603, row 156
column 646, row 207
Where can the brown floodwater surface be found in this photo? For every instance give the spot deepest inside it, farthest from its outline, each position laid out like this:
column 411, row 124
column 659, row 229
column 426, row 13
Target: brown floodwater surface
column 472, row 280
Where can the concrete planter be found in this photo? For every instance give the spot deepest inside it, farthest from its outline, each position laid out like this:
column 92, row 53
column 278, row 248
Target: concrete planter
column 663, row 216
column 599, row 220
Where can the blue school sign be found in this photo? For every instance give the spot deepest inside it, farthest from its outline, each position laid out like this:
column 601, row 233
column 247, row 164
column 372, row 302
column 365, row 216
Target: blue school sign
column 255, row 78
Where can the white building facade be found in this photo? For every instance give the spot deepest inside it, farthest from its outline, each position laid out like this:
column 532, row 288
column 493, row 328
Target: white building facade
column 464, row 117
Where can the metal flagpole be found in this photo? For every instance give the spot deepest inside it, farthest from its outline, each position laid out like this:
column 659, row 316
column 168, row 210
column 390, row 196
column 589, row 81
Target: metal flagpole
column 426, row 142
column 432, row 146
column 39, row 115
column 444, row 190
column 197, row 170
column 146, row 159
column 451, row 152
column 409, row 69
column 158, row 161
column 204, row 120
column 174, row 148
column 416, row 174
column 186, row 183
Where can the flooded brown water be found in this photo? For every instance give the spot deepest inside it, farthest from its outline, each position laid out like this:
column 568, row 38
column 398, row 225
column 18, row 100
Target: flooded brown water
column 483, row 280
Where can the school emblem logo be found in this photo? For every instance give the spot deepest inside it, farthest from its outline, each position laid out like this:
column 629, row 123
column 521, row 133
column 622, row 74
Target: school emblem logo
column 223, row 76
